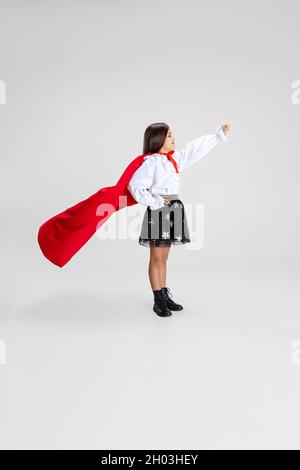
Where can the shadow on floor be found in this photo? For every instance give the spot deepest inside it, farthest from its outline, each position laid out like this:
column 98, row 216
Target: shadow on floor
column 84, row 307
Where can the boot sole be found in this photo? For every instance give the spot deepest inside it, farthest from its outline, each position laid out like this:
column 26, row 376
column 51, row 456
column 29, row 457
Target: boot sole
column 162, row 315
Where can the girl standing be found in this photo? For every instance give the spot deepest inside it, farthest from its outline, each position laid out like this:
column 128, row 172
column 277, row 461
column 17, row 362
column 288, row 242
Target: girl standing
column 156, row 184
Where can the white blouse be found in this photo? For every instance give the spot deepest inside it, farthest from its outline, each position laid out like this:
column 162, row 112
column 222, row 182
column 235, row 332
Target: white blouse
column 157, row 174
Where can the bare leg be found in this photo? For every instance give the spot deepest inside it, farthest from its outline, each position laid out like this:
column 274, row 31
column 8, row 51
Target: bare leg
column 163, row 268
column 157, row 266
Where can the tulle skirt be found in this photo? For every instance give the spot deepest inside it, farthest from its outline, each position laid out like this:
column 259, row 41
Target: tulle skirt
column 165, row 226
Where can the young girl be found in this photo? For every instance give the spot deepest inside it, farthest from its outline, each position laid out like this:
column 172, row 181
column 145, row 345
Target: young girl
column 156, row 184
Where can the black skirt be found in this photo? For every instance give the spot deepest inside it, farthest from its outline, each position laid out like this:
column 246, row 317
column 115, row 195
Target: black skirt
column 165, row 226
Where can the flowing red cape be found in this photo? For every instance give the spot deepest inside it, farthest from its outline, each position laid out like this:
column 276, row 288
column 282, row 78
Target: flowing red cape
column 62, row 236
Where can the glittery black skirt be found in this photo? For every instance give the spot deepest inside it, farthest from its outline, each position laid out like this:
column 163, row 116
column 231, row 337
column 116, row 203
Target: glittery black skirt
column 165, row 226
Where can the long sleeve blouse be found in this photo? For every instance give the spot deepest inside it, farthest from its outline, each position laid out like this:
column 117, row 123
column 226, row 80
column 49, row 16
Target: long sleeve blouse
column 157, row 174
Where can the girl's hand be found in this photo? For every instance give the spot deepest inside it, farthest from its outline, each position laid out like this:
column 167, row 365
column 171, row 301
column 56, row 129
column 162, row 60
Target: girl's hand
column 166, row 199
column 225, row 128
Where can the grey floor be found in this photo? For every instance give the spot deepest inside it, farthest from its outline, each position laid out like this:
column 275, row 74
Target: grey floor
column 90, row 365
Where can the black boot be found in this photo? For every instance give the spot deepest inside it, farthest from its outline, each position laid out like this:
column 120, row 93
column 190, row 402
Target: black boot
column 170, row 303
column 160, row 306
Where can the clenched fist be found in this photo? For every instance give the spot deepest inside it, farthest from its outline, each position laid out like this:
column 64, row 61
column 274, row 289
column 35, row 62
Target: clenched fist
column 225, row 128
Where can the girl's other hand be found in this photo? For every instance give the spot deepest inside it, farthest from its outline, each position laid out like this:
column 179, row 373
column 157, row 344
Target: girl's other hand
column 167, row 200
column 225, row 128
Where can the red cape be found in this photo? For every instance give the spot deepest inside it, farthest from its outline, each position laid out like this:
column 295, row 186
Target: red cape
column 62, row 236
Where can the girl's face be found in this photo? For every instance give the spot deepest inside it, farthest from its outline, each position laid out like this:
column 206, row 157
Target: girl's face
column 169, row 143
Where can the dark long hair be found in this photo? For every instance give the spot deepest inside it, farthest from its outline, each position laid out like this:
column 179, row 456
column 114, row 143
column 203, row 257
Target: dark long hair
column 154, row 137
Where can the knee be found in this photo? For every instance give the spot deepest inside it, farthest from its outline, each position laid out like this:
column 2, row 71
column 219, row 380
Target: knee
column 158, row 260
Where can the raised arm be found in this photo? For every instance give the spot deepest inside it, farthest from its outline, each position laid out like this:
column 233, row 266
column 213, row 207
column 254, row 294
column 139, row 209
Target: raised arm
column 198, row 148
column 141, row 181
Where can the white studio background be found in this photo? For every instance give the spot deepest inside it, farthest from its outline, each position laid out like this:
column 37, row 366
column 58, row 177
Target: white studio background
column 88, row 364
